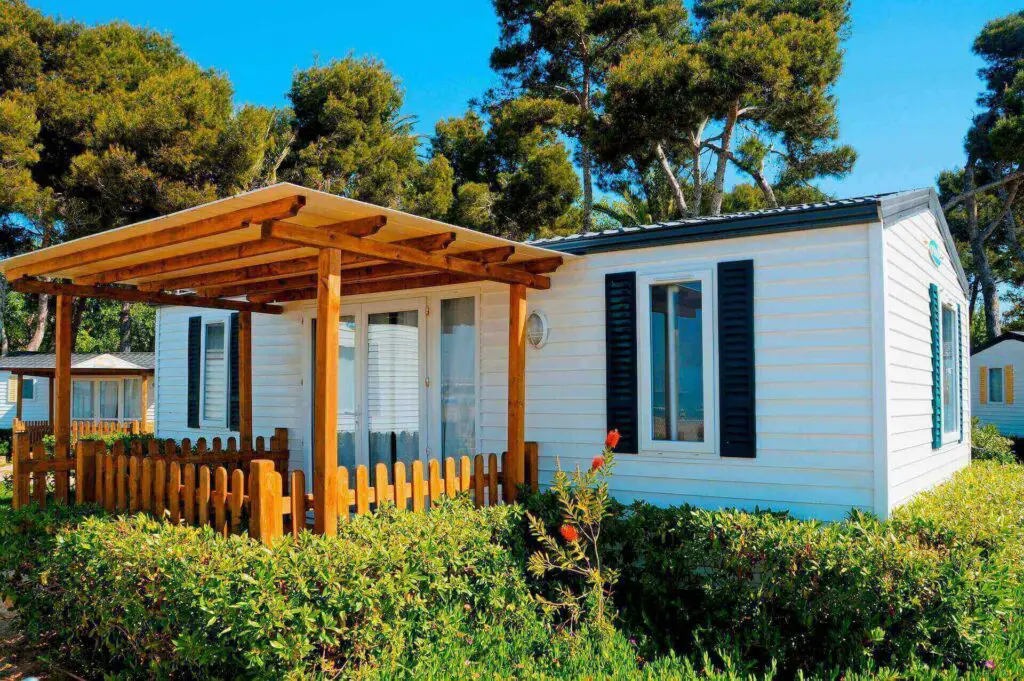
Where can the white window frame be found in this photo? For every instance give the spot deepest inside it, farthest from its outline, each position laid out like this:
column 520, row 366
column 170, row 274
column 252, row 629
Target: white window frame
column 93, row 399
column 952, row 435
column 709, row 337
column 434, row 329
column 1002, row 385
column 208, row 321
column 98, row 401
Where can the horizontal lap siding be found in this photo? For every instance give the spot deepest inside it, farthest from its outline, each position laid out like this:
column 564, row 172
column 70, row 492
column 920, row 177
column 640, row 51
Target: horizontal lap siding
column 813, row 375
column 1009, row 418
column 913, row 464
column 277, row 341
column 36, row 409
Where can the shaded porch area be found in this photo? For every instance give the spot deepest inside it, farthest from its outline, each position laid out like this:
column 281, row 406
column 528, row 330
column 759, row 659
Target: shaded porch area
column 255, row 254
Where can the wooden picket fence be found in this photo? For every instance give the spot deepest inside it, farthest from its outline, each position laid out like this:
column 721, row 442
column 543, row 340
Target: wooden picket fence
column 103, row 475
column 37, row 430
column 223, row 487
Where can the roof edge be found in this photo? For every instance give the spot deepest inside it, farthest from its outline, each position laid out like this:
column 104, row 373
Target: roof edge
column 1005, row 336
column 817, row 217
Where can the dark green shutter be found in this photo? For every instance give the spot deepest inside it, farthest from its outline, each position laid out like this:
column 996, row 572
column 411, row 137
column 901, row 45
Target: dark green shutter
column 195, row 342
column 736, row 359
column 933, row 302
column 621, row 366
column 960, row 375
column 233, row 410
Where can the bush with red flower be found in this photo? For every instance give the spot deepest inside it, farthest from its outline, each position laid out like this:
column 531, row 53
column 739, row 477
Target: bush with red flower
column 574, row 551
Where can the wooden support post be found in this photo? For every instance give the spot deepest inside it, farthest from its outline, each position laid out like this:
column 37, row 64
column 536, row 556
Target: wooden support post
column 20, row 388
column 61, row 416
column 325, row 399
column 514, row 473
column 144, row 407
column 245, row 380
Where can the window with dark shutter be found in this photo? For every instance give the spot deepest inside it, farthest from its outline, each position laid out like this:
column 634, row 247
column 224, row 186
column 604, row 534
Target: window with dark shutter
column 233, row 403
column 195, row 341
column 621, row 369
column 736, row 358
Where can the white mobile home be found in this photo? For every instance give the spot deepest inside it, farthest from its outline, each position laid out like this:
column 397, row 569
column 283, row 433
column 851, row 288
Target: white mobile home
column 807, row 358
column 114, row 387
column 994, row 392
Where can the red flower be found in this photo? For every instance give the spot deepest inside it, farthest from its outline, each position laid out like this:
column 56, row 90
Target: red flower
column 597, row 463
column 612, row 441
column 569, row 533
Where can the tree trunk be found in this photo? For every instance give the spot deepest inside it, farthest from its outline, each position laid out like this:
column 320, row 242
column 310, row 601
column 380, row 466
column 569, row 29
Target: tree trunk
column 673, row 181
column 973, row 301
column 586, row 162
column 125, row 324
column 989, row 293
column 77, row 310
column 39, row 330
column 5, row 345
column 698, row 175
column 723, row 160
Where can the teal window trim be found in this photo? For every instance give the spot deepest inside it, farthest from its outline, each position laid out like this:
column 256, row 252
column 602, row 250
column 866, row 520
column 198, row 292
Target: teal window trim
column 933, row 302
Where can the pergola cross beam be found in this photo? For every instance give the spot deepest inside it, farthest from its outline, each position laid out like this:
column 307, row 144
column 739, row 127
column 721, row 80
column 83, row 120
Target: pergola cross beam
column 169, row 236
column 397, row 253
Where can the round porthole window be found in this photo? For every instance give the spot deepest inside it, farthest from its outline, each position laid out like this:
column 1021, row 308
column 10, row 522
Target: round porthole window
column 537, row 329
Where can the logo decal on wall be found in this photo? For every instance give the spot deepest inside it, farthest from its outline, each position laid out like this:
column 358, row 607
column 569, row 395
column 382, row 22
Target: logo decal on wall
column 935, row 253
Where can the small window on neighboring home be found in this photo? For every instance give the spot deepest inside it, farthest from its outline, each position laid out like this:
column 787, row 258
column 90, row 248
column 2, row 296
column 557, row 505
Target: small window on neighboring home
column 215, row 383
column 678, row 362
column 995, row 385
column 132, row 392
column 82, row 407
column 951, row 372
column 28, row 389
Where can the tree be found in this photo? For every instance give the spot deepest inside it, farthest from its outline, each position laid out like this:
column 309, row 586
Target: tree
column 107, row 125
column 350, row 138
column 560, row 52
column 512, row 174
column 749, row 85
column 985, row 200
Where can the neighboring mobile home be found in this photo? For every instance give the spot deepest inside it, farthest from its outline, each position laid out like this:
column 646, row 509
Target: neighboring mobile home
column 105, row 387
column 993, row 367
column 806, row 358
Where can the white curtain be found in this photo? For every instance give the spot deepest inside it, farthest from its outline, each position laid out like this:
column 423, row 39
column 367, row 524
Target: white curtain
column 81, row 400
column 458, row 377
column 132, row 396
column 108, row 400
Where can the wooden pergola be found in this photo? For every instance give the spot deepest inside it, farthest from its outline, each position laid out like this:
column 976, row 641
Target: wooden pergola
column 251, row 253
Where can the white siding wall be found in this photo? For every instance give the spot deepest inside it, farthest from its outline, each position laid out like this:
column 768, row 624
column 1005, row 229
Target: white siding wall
column 277, row 341
column 1009, row 418
column 913, row 465
column 813, row 374
column 36, row 409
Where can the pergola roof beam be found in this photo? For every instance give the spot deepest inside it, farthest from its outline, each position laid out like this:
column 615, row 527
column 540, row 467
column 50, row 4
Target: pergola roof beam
column 133, row 295
column 420, row 281
column 219, row 224
column 397, row 253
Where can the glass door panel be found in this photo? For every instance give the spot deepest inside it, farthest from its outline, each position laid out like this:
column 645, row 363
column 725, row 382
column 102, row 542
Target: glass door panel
column 109, row 400
column 393, row 365
column 348, row 407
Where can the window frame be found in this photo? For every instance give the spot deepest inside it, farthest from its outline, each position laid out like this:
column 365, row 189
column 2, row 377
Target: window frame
column 124, row 398
column 208, row 321
column 1002, row 385
column 953, row 434
column 435, row 403
column 93, row 396
column 709, row 448
column 26, row 381
column 98, row 399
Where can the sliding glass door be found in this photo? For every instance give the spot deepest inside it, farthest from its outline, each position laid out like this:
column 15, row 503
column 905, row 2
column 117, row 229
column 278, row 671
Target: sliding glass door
column 394, row 385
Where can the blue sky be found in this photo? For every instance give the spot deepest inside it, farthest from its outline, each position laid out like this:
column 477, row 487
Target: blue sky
column 906, row 95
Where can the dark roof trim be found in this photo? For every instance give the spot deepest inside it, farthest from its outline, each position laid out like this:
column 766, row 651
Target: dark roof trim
column 739, row 226
column 1009, row 335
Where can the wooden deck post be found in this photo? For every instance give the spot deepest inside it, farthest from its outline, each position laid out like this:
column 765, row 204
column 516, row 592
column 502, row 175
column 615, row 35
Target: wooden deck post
column 245, row 380
column 19, row 387
column 515, row 474
column 64, row 345
column 325, row 398
column 144, row 398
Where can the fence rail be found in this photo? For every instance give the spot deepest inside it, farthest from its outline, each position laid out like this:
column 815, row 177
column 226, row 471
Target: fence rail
column 224, row 487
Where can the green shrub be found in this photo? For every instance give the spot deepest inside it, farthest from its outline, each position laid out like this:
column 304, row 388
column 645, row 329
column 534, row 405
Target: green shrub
column 394, row 591
column 988, row 445
column 108, row 438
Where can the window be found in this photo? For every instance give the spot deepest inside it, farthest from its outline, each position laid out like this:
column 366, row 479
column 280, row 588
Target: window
column 995, row 385
column 951, row 372
column 215, row 378
column 677, row 406
column 109, row 399
column 132, row 392
column 458, row 376
column 81, row 400
column 28, row 389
